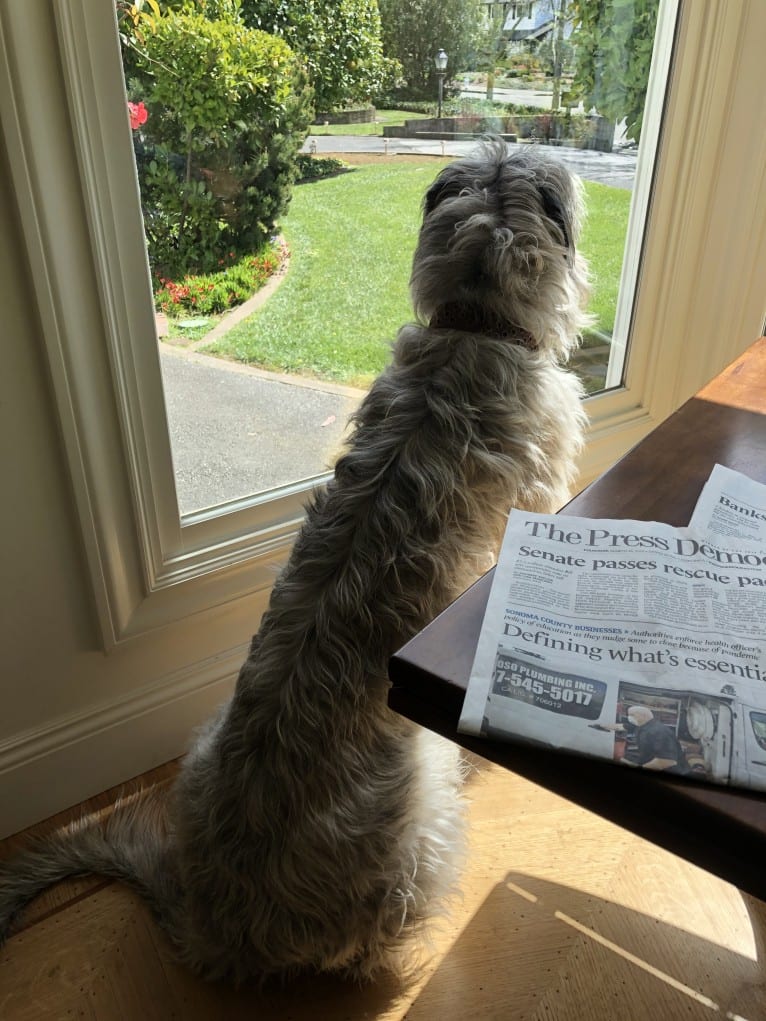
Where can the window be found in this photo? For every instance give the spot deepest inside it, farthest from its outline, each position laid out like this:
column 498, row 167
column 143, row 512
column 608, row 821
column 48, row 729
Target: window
column 698, row 300
column 238, row 433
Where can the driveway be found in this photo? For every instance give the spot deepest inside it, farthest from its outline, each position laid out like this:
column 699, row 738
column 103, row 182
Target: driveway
column 235, row 430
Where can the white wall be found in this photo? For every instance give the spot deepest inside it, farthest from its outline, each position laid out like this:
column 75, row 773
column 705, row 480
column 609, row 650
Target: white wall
column 74, row 721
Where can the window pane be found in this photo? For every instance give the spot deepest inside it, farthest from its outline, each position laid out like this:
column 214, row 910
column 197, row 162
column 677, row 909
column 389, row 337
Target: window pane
column 258, row 394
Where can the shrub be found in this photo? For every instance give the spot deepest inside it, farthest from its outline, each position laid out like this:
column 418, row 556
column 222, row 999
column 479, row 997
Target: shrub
column 313, row 168
column 228, row 110
column 182, row 224
column 392, row 102
column 340, row 43
column 456, row 106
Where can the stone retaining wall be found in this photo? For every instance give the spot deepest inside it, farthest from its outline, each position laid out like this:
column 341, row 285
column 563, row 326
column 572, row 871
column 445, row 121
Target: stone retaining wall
column 362, row 116
column 578, row 132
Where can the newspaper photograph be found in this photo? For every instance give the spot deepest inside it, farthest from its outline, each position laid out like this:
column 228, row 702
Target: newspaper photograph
column 635, row 642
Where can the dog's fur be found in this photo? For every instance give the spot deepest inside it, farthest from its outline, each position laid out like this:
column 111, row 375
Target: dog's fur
column 311, row 827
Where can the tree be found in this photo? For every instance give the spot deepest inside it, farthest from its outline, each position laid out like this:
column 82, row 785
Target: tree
column 340, row 41
column 558, row 48
column 614, row 41
column 415, row 30
column 491, row 43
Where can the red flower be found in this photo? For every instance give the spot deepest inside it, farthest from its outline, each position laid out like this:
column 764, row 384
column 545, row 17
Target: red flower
column 138, row 115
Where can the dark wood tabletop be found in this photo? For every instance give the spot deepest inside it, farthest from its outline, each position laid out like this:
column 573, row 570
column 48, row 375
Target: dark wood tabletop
column 722, row 829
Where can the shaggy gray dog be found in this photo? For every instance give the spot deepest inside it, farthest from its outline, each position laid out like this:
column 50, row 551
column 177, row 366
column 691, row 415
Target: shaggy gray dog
column 311, row 828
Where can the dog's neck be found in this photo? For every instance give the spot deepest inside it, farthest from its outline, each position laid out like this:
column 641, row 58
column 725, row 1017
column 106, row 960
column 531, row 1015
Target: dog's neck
column 470, row 318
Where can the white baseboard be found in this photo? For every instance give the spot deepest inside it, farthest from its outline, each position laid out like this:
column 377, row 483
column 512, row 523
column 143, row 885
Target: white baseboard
column 53, row 767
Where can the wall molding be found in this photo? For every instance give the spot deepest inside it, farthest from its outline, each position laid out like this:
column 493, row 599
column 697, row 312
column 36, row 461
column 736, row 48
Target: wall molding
column 104, row 734
column 55, row 735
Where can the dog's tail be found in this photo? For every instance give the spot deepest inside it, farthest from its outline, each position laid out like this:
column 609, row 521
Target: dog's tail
column 134, row 846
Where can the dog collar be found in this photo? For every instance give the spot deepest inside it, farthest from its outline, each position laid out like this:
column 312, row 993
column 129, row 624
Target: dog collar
column 473, row 319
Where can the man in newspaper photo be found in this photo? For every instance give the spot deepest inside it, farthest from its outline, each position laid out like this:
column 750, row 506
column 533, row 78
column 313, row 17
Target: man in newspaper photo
column 657, row 747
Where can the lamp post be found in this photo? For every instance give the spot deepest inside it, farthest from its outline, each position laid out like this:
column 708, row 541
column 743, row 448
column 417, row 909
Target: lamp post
column 441, row 68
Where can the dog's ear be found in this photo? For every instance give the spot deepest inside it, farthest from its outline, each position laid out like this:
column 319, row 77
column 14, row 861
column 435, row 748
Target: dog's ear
column 554, row 210
column 444, row 187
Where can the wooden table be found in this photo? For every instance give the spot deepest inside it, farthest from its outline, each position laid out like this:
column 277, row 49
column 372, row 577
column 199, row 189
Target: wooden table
column 721, row 829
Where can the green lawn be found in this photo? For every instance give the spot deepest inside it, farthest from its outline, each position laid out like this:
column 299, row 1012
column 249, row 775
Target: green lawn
column 603, row 243
column 346, row 291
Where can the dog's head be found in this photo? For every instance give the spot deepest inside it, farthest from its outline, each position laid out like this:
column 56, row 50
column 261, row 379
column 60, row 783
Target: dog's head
column 499, row 237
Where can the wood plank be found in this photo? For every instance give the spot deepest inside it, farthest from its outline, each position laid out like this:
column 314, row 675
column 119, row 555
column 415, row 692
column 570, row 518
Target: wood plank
column 71, row 890
column 563, row 916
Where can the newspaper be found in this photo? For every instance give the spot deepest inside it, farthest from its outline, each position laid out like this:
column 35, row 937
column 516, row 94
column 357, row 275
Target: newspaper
column 633, row 641
column 732, row 506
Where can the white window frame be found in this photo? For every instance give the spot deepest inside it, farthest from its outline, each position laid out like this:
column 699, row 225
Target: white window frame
column 73, row 172
column 699, row 297
column 148, row 566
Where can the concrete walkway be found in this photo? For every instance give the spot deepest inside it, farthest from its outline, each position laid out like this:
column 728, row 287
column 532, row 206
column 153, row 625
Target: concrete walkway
column 236, row 430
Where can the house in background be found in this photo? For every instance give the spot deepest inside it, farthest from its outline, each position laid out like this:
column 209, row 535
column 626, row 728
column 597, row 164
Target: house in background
column 535, row 21
column 527, row 23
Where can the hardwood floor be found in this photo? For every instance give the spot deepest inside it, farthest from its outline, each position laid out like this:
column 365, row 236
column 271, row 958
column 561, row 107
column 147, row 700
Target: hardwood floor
column 564, row 917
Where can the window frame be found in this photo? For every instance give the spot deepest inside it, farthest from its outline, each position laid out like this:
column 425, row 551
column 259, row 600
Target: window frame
column 148, row 565
column 74, row 176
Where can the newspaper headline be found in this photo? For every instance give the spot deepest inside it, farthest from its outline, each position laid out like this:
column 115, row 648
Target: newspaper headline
column 633, row 641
